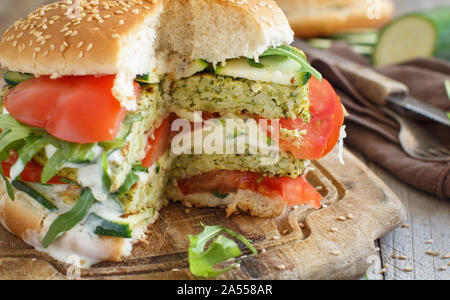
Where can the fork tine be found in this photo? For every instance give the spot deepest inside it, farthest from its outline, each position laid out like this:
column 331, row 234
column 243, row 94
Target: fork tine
column 437, row 152
column 444, row 150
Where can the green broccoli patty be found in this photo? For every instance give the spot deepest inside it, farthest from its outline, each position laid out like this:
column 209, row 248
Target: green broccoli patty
column 214, row 93
column 191, row 165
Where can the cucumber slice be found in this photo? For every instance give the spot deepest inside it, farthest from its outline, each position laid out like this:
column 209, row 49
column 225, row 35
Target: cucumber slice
column 14, row 78
column 328, row 43
column 421, row 34
column 368, row 37
column 21, row 186
column 147, row 78
column 109, row 228
column 276, row 69
column 192, row 68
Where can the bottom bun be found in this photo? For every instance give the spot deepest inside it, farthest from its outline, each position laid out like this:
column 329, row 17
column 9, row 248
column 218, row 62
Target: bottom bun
column 28, row 220
column 245, row 201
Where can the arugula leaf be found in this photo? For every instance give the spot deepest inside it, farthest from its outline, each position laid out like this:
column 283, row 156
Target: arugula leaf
column 140, row 168
column 219, row 195
column 69, row 220
column 32, row 146
column 295, row 54
column 68, row 181
column 252, row 63
column 105, row 178
column 34, row 194
column 53, row 165
column 220, row 250
column 67, row 153
column 9, row 187
column 130, row 181
column 12, row 131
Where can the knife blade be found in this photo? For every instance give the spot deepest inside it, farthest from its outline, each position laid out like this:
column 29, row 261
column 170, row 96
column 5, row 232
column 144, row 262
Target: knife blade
column 374, row 86
column 421, row 108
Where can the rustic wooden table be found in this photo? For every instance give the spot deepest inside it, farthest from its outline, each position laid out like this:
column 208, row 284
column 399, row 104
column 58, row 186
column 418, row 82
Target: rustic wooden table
column 420, row 244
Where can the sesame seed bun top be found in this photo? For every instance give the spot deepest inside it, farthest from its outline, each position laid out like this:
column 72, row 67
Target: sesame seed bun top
column 131, row 37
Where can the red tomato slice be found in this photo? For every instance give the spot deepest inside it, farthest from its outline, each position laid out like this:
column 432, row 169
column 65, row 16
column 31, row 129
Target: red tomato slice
column 79, row 109
column 327, row 118
column 31, row 173
column 292, row 191
column 158, row 143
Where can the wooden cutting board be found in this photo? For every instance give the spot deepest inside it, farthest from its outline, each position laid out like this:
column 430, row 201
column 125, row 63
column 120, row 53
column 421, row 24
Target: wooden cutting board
column 301, row 244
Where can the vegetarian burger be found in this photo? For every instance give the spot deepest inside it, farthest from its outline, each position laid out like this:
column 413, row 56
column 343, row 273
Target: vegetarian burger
column 93, row 93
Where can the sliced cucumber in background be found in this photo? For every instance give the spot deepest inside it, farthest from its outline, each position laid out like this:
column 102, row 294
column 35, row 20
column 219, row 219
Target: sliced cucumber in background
column 192, row 68
column 325, row 44
column 276, row 69
column 422, row 34
column 14, row 78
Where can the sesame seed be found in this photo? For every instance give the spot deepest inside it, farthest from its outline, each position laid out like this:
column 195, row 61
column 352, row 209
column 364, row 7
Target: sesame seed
column 115, row 36
column 81, row 54
column 89, row 47
column 80, row 44
column 281, row 267
column 350, row 216
column 402, row 257
column 405, row 226
column 446, row 256
column 333, row 229
column 135, row 11
column 408, row 269
column 342, row 218
column 382, row 271
column 444, row 268
column 429, row 242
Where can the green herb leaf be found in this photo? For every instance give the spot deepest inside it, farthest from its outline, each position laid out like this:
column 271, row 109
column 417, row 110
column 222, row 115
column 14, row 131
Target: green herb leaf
column 448, row 115
column 106, row 178
column 69, row 220
column 34, row 194
column 130, row 181
column 447, row 88
column 9, row 187
column 12, row 131
column 68, row 181
column 295, row 54
column 53, row 165
column 220, row 250
column 219, row 195
column 32, row 146
column 140, row 168
column 260, row 179
column 252, row 63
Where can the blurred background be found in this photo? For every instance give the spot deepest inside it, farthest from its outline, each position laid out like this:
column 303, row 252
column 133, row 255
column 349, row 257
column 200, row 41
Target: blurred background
column 11, row 10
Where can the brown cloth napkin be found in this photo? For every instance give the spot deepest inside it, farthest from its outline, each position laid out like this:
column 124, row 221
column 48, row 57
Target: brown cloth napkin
column 375, row 134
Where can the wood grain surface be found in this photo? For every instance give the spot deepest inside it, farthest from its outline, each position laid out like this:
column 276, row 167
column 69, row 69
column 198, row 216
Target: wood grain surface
column 335, row 242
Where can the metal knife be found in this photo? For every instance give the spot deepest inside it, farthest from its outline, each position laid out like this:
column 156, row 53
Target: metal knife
column 374, row 86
